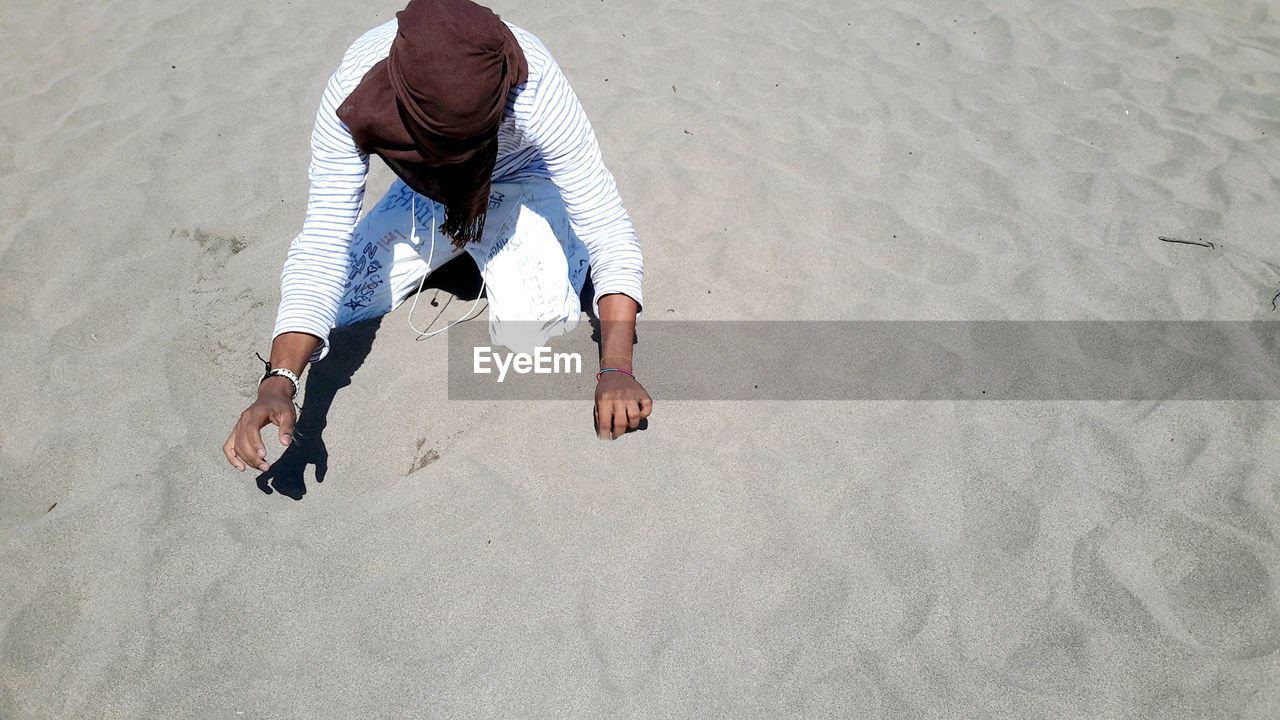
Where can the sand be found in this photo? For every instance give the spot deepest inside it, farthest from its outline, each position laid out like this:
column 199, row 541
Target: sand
column 814, row 160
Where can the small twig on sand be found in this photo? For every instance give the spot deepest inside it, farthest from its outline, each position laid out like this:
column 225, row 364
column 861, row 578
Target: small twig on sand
column 1274, row 298
column 1201, row 242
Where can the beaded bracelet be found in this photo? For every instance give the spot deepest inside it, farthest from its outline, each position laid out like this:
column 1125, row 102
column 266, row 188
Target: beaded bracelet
column 624, row 372
column 282, row 372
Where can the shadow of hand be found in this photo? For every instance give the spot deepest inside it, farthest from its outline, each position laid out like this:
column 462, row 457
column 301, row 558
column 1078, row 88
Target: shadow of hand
column 349, row 348
column 285, row 476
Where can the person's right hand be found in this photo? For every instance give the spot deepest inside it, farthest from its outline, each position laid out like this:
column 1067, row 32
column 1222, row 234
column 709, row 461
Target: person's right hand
column 275, row 406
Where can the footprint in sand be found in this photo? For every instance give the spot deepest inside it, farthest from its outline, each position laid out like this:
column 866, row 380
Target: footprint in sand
column 428, row 457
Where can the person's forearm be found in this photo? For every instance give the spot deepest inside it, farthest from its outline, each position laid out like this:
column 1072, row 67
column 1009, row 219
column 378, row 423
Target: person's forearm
column 617, row 331
column 292, row 351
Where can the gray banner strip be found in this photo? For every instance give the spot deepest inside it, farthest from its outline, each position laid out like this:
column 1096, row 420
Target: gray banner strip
column 900, row 360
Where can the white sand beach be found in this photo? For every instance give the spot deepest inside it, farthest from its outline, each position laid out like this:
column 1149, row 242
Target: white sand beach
column 807, row 160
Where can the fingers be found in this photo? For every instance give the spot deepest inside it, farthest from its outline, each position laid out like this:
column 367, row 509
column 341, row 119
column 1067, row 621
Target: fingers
column 614, row 418
column 604, row 420
column 251, row 450
column 646, row 406
column 228, row 449
column 285, row 422
column 634, row 415
column 611, row 420
column 639, row 410
column 244, row 448
column 619, row 413
column 241, row 453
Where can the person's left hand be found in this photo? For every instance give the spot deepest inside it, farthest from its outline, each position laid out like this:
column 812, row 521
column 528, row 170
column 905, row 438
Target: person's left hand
column 621, row 403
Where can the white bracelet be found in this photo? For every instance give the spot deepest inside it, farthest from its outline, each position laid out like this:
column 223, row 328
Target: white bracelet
column 282, row 372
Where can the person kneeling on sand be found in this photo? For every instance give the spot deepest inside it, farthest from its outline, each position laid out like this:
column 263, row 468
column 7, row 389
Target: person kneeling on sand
column 494, row 157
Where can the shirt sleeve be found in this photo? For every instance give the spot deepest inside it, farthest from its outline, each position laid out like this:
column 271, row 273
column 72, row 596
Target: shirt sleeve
column 560, row 130
column 315, row 271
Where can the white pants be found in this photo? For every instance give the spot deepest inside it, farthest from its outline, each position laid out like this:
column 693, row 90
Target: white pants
column 532, row 263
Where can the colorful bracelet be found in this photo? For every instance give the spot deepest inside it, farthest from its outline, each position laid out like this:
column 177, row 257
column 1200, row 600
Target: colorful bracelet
column 624, row 372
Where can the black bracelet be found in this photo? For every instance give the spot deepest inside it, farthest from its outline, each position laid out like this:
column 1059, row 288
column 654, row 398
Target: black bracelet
column 282, row 372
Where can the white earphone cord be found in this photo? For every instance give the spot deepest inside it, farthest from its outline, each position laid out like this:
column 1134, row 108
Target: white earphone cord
column 413, row 237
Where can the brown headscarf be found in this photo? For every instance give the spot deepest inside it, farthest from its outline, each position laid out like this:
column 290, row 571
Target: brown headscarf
column 431, row 110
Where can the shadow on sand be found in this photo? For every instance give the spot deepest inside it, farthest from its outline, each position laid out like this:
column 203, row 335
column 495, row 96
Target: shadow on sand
column 348, row 348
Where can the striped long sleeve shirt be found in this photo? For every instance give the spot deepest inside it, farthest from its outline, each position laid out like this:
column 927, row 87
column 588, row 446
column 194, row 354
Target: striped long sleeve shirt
column 544, row 134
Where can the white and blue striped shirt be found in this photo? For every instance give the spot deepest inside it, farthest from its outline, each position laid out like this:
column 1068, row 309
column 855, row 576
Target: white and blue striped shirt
column 544, row 134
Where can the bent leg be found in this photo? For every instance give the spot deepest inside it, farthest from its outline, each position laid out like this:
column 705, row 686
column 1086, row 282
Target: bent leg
column 534, row 268
column 391, row 252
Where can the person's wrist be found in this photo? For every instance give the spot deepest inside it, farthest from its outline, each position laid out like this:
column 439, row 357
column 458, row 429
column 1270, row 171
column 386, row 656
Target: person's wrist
column 617, row 362
column 614, row 372
column 276, row 385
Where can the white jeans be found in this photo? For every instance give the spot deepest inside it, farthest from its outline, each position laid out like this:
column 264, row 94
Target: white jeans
column 532, row 263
